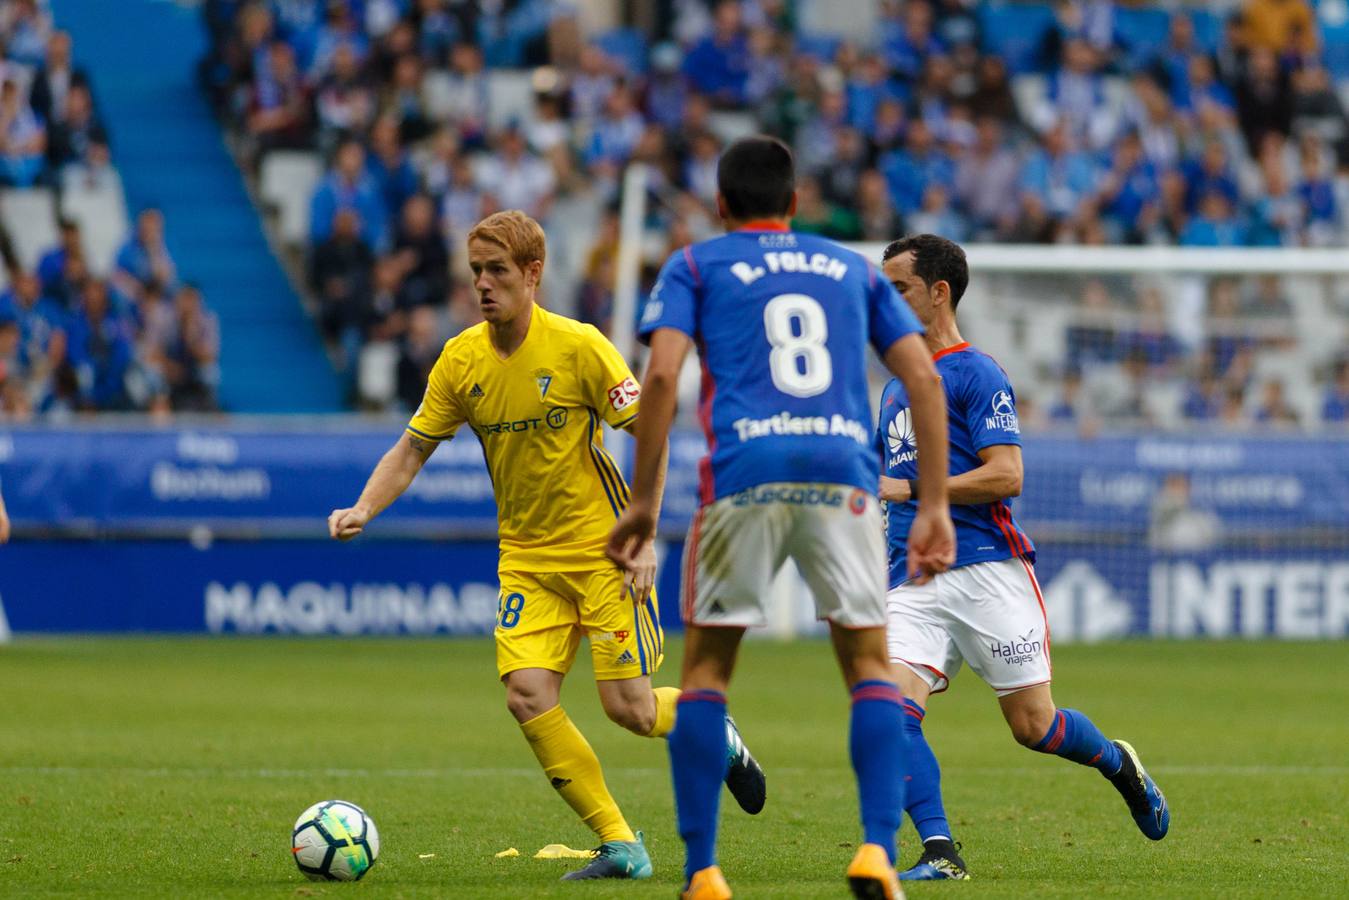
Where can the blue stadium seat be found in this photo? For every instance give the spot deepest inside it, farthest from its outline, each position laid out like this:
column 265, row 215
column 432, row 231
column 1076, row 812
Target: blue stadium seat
column 628, row 46
column 1015, row 32
column 821, row 46
column 1335, row 45
column 1208, row 29
column 1140, row 31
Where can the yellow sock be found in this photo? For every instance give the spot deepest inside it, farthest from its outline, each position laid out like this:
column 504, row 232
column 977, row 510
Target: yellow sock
column 574, row 770
column 667, row 700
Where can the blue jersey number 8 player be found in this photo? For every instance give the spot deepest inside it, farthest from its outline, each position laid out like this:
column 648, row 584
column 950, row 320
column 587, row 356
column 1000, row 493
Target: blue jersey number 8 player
column 987, row 610
column 781, row 322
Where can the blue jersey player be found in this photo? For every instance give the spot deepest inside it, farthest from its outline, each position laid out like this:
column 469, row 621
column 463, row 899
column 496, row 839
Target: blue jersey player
column 987, row 610
column 781, row 322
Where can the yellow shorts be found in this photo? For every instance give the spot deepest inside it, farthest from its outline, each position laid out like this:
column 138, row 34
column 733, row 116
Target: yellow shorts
column 541, row 617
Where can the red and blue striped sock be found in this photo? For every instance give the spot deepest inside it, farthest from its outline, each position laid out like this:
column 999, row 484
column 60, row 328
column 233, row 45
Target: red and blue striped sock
column 876, row 745
column 1073, row 736
column 698, row 763
column 922, row 778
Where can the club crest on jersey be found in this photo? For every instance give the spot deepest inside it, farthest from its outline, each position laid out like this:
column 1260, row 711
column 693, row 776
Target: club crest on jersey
column 544, row 379
column 903, row 444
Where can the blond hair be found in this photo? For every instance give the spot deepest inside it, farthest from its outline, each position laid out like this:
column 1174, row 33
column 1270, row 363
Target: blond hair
column 516, row 233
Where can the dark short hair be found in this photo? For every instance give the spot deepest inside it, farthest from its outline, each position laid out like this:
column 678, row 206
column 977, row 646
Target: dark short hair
column 934, row 259
column 756, row 176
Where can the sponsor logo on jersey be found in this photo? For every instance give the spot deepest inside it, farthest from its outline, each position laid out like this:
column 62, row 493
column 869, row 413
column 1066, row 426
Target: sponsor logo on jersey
column 1023, row 649
column 903, row 443
column 516, row 427
column 624, row 394
column 476, row 392
column 857, row 502
column 1004, row 414
column 792, row 494
column 557, row 417
column 784, row 423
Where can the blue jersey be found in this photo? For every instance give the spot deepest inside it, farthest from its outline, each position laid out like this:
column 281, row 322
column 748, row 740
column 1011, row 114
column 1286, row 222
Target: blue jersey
column 981, row 412
column 781, row 321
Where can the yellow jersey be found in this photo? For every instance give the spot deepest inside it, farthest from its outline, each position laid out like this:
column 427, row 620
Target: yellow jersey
column 537, row 415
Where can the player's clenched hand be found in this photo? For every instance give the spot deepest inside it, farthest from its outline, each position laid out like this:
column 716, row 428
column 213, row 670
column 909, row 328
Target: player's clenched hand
column 932, row 543
column 345, row 524
column 630, row 539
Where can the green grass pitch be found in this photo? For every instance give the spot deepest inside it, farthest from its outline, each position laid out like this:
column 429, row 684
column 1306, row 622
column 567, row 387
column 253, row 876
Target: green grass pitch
column 171, row 768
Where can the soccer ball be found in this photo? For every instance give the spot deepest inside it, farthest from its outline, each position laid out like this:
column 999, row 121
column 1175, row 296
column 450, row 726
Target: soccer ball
column 334, row 841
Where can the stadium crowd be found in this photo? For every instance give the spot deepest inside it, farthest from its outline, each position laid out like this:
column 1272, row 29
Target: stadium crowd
column 79, row 334
column 1222, row 129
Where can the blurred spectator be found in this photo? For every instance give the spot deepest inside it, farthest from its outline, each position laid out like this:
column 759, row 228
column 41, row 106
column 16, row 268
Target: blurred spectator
column 816, row 215
column 461, row 205
column 52, row 264
column 617, row 130
column 1264, row 101
column 718, row 65
column 986, row 181
column 911, row 170
column 349, row 185
column 1211, row 172
column 1274, row 409
column 666, row 88
column 1067, row 406
column 23, row 137
column 345, row 99
column 54, row 80
column 417, row 353
column 1335, row 405
column 1318, row 110
column 876, row 214
column 279, row 108
column 390, row 164
column 938, row 217
column 907, row 40
column 1058, row 176
column 1279, row 27
column 420, row 251
column 516, row 178
column 145, row 257
column 27, row 29
column 340, row 272
column 73, row 137
column 1128, row 190
column 595, row 299
column 1091, row 336
column 1176, row 525
column 1075, row 98
column 1215, row 224
column 992, row 95
column 100, row 349
column 192, row 354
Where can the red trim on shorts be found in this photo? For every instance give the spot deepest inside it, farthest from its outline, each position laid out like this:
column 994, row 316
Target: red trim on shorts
column 1020, row 687
column 690, row 586
column 954, row 348
column 917, row 665
column 1030, row 573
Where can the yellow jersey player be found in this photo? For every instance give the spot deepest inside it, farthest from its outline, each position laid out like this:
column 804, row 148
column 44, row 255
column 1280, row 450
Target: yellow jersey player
column 534, row 387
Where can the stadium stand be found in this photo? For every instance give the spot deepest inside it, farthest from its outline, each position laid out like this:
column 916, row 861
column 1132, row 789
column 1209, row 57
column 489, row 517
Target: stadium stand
column 1079, row 122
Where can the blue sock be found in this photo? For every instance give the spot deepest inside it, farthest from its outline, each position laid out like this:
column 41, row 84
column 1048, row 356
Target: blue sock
column 922, row 778
column 876, row 744
column 1073, row 736
column 698, row 762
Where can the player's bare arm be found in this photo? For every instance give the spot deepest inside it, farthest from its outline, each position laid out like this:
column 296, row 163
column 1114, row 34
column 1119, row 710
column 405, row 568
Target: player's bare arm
column 932, row 545
column 636, row 528
column 4, row 522
column 391, row 477
column 999, row 478
column 640, row 577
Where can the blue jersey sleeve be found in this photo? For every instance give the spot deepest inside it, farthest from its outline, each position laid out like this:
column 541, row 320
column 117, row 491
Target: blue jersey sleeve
column 674, row 300
column 888, row 316
column 989, row 405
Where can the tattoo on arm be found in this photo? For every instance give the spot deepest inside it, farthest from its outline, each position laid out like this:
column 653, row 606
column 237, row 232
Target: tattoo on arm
column 421, row 446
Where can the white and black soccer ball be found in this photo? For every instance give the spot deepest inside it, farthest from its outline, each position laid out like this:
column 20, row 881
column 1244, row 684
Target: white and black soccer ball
column 334, row 841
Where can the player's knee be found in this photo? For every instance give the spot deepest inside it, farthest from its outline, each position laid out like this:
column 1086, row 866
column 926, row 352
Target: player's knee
column 633, row 716
column 525, row 704
column 1029, row 726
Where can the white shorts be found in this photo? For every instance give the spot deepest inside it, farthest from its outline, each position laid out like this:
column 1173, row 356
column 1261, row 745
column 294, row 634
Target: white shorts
column 990, row 615
column 737, row 544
